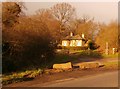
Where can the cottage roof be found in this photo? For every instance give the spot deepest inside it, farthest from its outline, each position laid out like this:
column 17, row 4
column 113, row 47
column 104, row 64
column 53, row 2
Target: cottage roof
column 76, row 37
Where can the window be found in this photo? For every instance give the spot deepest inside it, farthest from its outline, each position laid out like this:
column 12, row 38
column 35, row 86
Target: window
column 78, row 42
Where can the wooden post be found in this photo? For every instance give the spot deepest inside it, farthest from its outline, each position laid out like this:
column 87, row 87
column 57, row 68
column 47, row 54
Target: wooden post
column 113, row 50
column 106, row 50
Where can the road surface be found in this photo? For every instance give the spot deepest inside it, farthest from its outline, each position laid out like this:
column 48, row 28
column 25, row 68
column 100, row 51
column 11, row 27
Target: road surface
column 109, row 79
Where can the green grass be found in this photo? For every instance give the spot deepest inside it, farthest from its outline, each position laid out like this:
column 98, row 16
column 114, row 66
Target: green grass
column 65, row 57
column 20, row 76
column 112, row 64
column 110, row 55
column 60, row 58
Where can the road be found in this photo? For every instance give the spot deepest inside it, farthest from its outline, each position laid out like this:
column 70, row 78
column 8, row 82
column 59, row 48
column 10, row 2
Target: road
column 109, row 79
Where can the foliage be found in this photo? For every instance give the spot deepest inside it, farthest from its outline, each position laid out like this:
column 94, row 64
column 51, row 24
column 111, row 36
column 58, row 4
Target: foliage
column 10, row 13
column 63, row 13
column 108, row 33
column 27, row 44
column 20, row 76
column 92, row 45
column 45, row 16
column 86, row 26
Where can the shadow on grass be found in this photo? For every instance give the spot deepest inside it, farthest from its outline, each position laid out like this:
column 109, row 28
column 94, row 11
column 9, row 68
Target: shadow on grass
column 88, row 56
column 83, row 56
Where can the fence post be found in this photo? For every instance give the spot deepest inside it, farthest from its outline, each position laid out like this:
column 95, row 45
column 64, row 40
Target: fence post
column 113, row 50
column 106, row 50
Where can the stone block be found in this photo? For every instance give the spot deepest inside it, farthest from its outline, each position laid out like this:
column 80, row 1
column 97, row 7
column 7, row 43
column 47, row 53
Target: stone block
column 63, row 66
column 89, row 65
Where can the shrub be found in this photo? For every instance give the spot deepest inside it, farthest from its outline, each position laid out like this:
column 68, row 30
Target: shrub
column 28, row 45
column 20, row 76
column 92, row 45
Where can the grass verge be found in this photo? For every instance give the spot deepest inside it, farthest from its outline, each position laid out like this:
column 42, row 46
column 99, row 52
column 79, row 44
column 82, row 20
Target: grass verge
column 20, row 76
column 112, row 65
column 110, row 55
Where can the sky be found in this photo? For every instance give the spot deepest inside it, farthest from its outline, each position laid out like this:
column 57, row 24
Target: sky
column 103, row 12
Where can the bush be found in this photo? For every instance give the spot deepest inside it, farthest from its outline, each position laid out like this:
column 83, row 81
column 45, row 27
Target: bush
column 92, row 45
column 28, row 45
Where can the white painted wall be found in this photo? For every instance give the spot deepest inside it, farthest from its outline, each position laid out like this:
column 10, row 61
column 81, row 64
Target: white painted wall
column 65, row 43
column 72, row 43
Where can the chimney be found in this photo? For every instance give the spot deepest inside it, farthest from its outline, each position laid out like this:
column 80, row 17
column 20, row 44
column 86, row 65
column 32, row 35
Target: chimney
column 71, row 34
column 83, row 35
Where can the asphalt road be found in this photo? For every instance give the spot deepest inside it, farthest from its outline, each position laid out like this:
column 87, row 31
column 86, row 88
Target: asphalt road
column 109, row 79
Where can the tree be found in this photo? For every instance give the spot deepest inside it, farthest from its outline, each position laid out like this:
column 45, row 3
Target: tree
column 45, row 16
column 92, row 45
column 86, row 26
column 74, row 25
column 29, row 42
column 63, row 12
column 10, row 13
column 108, row 33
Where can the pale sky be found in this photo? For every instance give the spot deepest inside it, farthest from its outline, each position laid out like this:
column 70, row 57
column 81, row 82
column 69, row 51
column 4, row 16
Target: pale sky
column 101, row 11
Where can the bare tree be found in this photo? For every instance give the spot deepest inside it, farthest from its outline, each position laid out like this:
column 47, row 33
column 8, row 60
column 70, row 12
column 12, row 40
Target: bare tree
column 63, row 12
column 46, row 17
column 86, row 26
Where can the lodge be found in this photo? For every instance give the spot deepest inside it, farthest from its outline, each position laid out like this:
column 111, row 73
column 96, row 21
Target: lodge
column 74, row 41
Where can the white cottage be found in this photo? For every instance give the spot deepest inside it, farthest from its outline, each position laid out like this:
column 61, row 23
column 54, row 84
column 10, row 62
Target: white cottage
column 73, row 41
